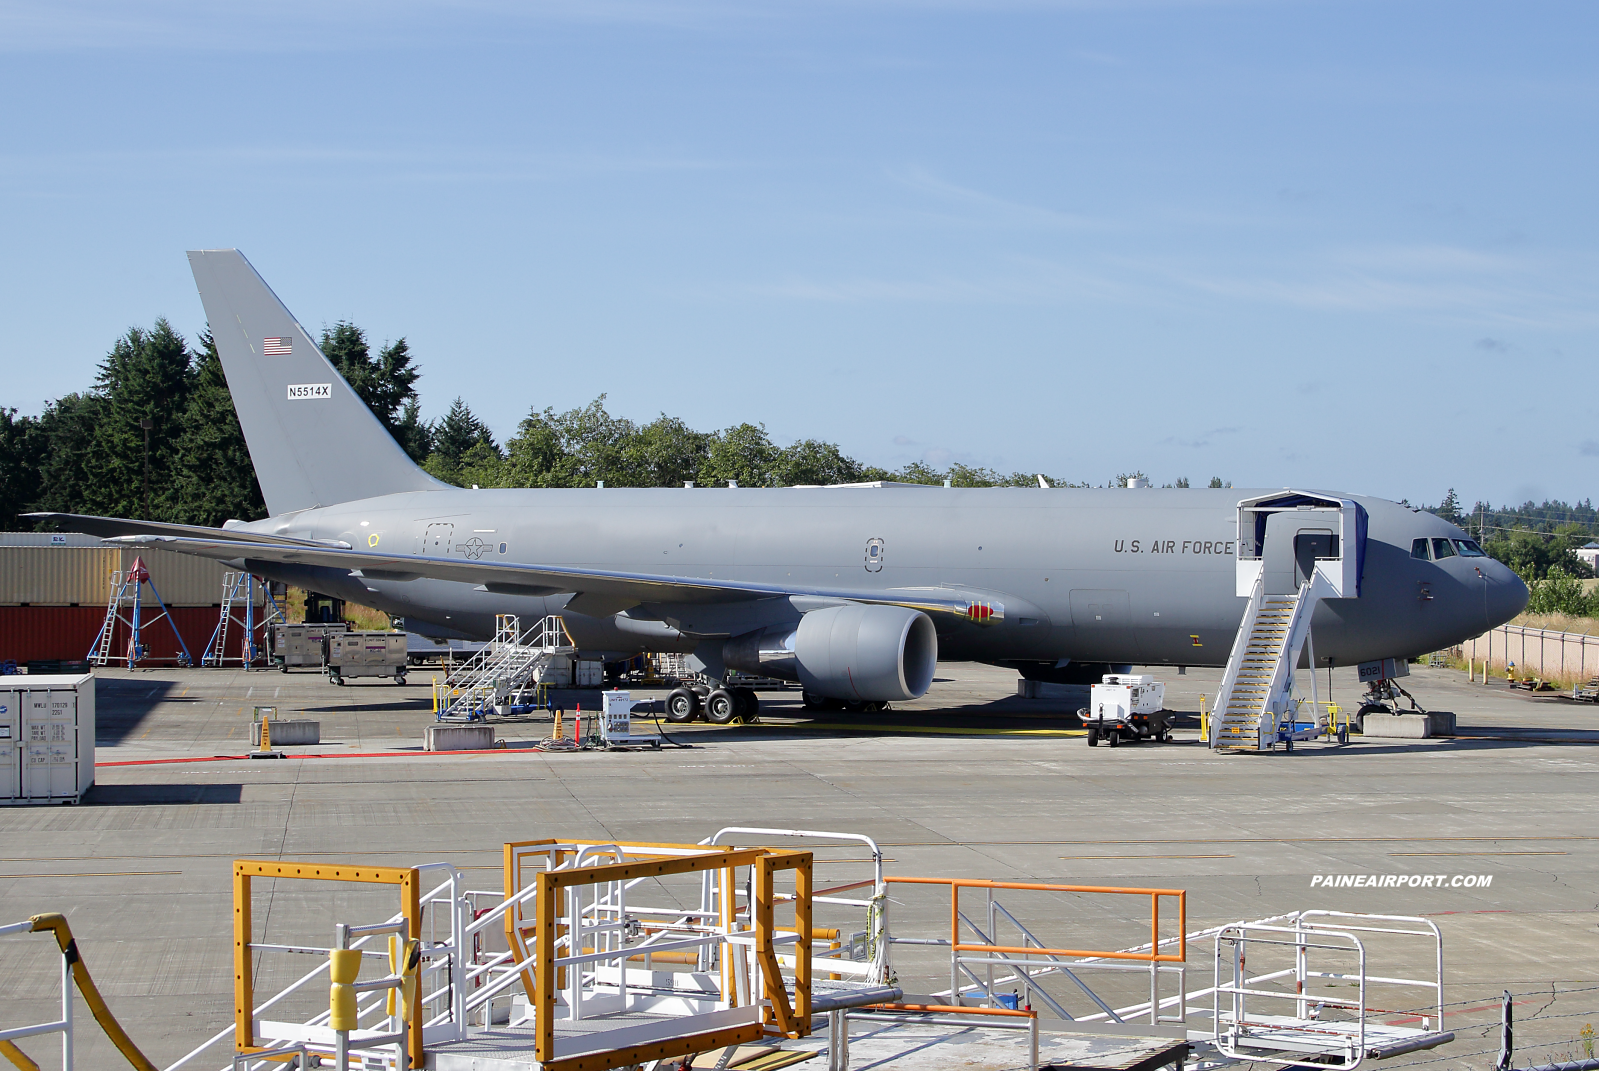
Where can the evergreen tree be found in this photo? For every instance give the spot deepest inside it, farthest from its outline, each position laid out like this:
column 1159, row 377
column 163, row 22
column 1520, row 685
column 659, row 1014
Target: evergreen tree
column 387, row 383
column 146, row 376
column 459, row 440
column 69, row 469
column 22, row 447
column 213, row 479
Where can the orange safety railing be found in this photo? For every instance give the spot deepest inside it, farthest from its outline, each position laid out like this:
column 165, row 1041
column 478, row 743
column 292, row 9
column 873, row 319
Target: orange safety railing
column 1154, row 955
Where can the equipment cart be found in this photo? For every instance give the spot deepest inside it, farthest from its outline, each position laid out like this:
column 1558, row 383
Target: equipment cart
column 303, row 645
column 1128, row 707
column 367, row 654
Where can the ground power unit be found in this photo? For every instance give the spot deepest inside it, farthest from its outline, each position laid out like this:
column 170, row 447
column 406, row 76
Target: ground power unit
column 1126, row 707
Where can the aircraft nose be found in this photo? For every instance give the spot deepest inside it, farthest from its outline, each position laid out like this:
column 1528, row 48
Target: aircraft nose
column 1504, row 594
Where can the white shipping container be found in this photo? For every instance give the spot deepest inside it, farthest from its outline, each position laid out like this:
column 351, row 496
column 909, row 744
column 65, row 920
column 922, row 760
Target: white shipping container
column 558, row 674
column 590, row 674
column 46, row 738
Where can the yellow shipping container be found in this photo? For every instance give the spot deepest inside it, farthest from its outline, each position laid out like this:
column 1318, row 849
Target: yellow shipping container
column 76, row 575
column 57, row 576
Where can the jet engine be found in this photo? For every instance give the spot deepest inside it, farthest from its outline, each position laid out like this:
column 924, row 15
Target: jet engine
column 853, row 652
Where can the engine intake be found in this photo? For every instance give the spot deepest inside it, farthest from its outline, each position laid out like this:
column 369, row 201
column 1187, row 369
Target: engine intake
column 852, row 652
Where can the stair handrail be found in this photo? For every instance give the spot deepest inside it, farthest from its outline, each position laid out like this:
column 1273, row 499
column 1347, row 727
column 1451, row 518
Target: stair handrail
column 1257, row 598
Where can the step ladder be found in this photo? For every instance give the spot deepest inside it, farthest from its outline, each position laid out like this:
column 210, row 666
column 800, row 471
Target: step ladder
column 503, row 668
column 234, row 587
column 100, row 654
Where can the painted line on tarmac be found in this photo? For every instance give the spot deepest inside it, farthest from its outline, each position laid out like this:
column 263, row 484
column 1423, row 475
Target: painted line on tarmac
column 938, row 729
column 1147, row 857
column 97, row 874
column 1409, row 854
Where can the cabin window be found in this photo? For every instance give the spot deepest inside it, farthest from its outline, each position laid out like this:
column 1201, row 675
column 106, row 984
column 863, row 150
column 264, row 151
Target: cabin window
column 1441, row 549
column 1469, row 549
column 1418, row 549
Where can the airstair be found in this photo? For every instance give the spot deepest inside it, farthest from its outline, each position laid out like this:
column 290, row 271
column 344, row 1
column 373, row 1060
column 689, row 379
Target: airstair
column 1294, row 550
column 503, row 669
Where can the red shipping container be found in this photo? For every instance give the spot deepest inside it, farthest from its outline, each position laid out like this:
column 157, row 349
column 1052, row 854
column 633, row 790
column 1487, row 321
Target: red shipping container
column 67, row 632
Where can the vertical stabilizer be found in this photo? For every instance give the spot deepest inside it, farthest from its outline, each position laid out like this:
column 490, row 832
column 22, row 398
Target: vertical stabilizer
column 312, row 440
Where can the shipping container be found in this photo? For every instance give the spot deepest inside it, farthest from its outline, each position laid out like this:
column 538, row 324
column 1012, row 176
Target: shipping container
column 74, row 574
column 46, row 738
column 31, row 633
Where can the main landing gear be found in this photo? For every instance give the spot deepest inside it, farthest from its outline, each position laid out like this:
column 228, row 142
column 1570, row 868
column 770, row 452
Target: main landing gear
column 718, row 705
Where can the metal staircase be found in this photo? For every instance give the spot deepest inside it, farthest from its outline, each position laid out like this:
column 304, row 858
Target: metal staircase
column 1294, row 550
column 1260, row 672
column 502, row 669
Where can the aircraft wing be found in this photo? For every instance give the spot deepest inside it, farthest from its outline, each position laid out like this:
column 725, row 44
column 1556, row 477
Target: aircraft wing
column 597, row 592
column 112, row 527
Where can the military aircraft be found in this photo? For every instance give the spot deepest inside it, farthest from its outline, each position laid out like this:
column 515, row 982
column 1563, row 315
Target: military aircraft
column 855, row 591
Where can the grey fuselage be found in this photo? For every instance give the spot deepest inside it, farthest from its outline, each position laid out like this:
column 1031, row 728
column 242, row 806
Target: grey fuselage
column 1143, row 575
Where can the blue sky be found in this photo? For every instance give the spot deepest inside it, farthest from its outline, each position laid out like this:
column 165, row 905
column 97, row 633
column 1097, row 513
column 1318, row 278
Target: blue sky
column 1345, row 245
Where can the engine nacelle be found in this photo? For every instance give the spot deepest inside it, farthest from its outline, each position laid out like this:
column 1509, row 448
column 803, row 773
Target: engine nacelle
column 853, row 652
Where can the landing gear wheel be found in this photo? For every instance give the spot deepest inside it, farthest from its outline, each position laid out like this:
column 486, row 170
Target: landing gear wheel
column 1093, row 738
column 749, row 704
column 812, row 701
column 720, row 707
column 681, row 706
column 1115, row 738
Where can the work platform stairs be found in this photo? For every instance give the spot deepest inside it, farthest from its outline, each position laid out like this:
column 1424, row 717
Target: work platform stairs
column 504, row 668
column 594, row 956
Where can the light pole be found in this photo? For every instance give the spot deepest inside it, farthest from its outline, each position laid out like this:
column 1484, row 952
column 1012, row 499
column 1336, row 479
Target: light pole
column 146, row 423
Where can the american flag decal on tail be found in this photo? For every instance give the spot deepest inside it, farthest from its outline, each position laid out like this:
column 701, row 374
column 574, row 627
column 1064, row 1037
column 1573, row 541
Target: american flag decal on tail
column 277, row 347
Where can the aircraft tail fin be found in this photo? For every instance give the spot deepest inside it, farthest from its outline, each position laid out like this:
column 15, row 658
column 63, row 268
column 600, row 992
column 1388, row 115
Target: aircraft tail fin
column 312, row 440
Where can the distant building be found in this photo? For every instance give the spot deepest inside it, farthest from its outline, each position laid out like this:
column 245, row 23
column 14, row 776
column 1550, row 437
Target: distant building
column 1590, row 554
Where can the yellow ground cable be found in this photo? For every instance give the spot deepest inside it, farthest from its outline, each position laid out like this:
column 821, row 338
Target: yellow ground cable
column 57, row 923
column 17, row 1056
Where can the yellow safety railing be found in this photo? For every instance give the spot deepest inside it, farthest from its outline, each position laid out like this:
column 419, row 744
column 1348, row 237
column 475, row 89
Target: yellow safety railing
column 57, row 924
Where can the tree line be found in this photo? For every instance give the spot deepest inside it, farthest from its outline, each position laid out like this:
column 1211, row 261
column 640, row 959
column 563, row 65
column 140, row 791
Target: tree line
column 161, row 404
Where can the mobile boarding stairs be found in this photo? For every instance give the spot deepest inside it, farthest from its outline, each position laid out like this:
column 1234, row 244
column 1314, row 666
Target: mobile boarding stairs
column 1294, row 550
column 503, row 670
column 594, row 956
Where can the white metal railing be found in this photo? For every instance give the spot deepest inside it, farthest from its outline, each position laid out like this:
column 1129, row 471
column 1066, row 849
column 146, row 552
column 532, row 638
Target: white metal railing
column 63, row 1025
column 502, row 667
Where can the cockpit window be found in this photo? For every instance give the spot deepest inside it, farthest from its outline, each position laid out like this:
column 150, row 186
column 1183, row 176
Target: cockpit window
column 1470, row 549
column 1442, row 549
column 1418, row 549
